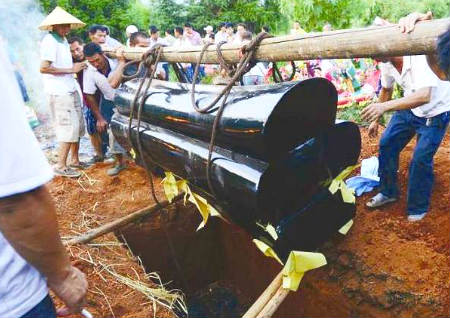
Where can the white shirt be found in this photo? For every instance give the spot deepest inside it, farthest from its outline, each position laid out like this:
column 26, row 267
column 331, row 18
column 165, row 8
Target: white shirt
column 58, row 53
column 23, row 167
column 93, row 80
column 417, row 74
column 221, row 37
column 112, row 43
column 259, row 70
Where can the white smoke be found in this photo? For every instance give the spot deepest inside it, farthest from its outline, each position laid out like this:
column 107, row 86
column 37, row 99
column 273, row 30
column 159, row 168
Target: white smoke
column 19, row 20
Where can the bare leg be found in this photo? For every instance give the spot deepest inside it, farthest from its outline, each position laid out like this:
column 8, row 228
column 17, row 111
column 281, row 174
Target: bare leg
column 119, row 159
column 96, row 141
column 74, row 148
column 63, row 152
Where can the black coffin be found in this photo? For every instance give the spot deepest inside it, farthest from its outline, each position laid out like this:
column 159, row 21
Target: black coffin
column 262, row 121
column 248, row 189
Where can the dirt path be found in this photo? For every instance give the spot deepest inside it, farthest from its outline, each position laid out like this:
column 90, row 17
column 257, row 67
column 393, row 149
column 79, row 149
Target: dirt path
column 385, row 266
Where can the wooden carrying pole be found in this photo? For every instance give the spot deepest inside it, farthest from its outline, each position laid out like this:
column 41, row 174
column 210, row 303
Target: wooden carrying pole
column 262, row 301
column 269, row 301
column 120, row 222
column 367, row 42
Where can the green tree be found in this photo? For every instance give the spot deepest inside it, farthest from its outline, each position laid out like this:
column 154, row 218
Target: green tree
column 166, row 14
column 115, row 14
column 313, row 14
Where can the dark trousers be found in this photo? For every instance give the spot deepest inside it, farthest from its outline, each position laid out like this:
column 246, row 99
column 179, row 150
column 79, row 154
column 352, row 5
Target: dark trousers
column 45, row 309
column 107, row 111
column 401, row 129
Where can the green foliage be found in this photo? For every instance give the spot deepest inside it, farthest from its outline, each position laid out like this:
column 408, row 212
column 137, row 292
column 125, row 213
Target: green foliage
column 313, row 14
column 169, row 13
column 277, row 14
column 115, row 14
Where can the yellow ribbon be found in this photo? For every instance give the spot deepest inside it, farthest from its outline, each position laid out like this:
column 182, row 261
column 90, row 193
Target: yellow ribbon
column 266, row 250
column 172, row 187
column 348, row 195
column 297, row 264
column 344, row 230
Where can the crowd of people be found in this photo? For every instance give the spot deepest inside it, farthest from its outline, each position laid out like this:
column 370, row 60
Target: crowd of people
column 79, row 77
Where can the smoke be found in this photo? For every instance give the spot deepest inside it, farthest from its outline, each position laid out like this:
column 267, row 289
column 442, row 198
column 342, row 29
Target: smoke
column 19, row 20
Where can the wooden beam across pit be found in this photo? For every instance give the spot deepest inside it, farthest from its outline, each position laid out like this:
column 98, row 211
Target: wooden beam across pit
column 366, row 42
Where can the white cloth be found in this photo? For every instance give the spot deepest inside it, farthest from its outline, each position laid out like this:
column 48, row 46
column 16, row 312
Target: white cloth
column 23, row 167
column 221, row 37
column 152, row 43
column 259, row 70
column 170, row 39
column 112, row 43
column 58, row 53
column 93, row 80
column 417, row 74
column 368, row 179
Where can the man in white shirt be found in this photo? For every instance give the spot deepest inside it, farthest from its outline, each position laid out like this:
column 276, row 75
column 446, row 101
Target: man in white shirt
column 109, row 41
column 209, row 34
column 129, row 31
column 104, row 75
column 424, row 110
column 61, row 88
column 439, row 62
column 32, row 255
column 221, row 35
column 241, row 28
column 169, row 38
column 162, row 69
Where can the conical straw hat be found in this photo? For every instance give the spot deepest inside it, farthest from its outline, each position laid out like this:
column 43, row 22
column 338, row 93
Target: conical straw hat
column 60, row 16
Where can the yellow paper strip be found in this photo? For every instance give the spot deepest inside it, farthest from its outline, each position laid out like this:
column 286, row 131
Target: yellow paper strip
column 344, row 230
column 297, row 264
column 267, row 250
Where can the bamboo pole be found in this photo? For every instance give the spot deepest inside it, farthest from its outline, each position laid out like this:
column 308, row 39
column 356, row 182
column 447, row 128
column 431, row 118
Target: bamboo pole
column 271, row 307
column 264, row 298
column 120, row 222
column 366, row 42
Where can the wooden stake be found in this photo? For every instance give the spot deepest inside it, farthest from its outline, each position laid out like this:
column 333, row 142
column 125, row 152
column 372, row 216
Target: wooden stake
column 118, row 223
column 366, row 42
column 273, row 304
column 268, row 293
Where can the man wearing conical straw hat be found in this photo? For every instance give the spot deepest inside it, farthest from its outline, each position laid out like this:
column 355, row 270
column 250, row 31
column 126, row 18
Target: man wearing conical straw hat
column 62, row 89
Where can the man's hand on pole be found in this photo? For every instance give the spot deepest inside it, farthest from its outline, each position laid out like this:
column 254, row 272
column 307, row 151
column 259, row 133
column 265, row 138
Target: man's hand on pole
column 407, row 24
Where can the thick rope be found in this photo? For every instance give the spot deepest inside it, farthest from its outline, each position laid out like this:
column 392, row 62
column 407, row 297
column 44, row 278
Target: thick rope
column 246, row 62
column 230, row 69
column 278, row 78
column 150, row 61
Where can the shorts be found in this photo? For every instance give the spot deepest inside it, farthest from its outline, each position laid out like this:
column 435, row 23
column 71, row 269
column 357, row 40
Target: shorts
column 67, row 116
column 91, row 121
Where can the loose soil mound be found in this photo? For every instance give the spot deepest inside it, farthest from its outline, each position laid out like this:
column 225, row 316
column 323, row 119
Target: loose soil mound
column 384, row 267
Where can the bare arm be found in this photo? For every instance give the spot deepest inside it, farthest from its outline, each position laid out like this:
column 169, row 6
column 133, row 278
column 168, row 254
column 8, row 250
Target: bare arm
column 101, row 122
column 416, row 99
column 115, row 78
column 433, row 64
column 28, row 222
column 385, row 95
column 47, row 68
column 407, row 24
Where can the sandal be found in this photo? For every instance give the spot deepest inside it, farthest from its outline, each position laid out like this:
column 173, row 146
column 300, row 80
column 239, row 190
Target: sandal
column 116, row 169
column 96, row 159
column 81, row 165
column 379, row 200
column 66, row 172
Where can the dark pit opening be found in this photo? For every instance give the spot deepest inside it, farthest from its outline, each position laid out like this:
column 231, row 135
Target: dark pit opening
column 222, row 273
